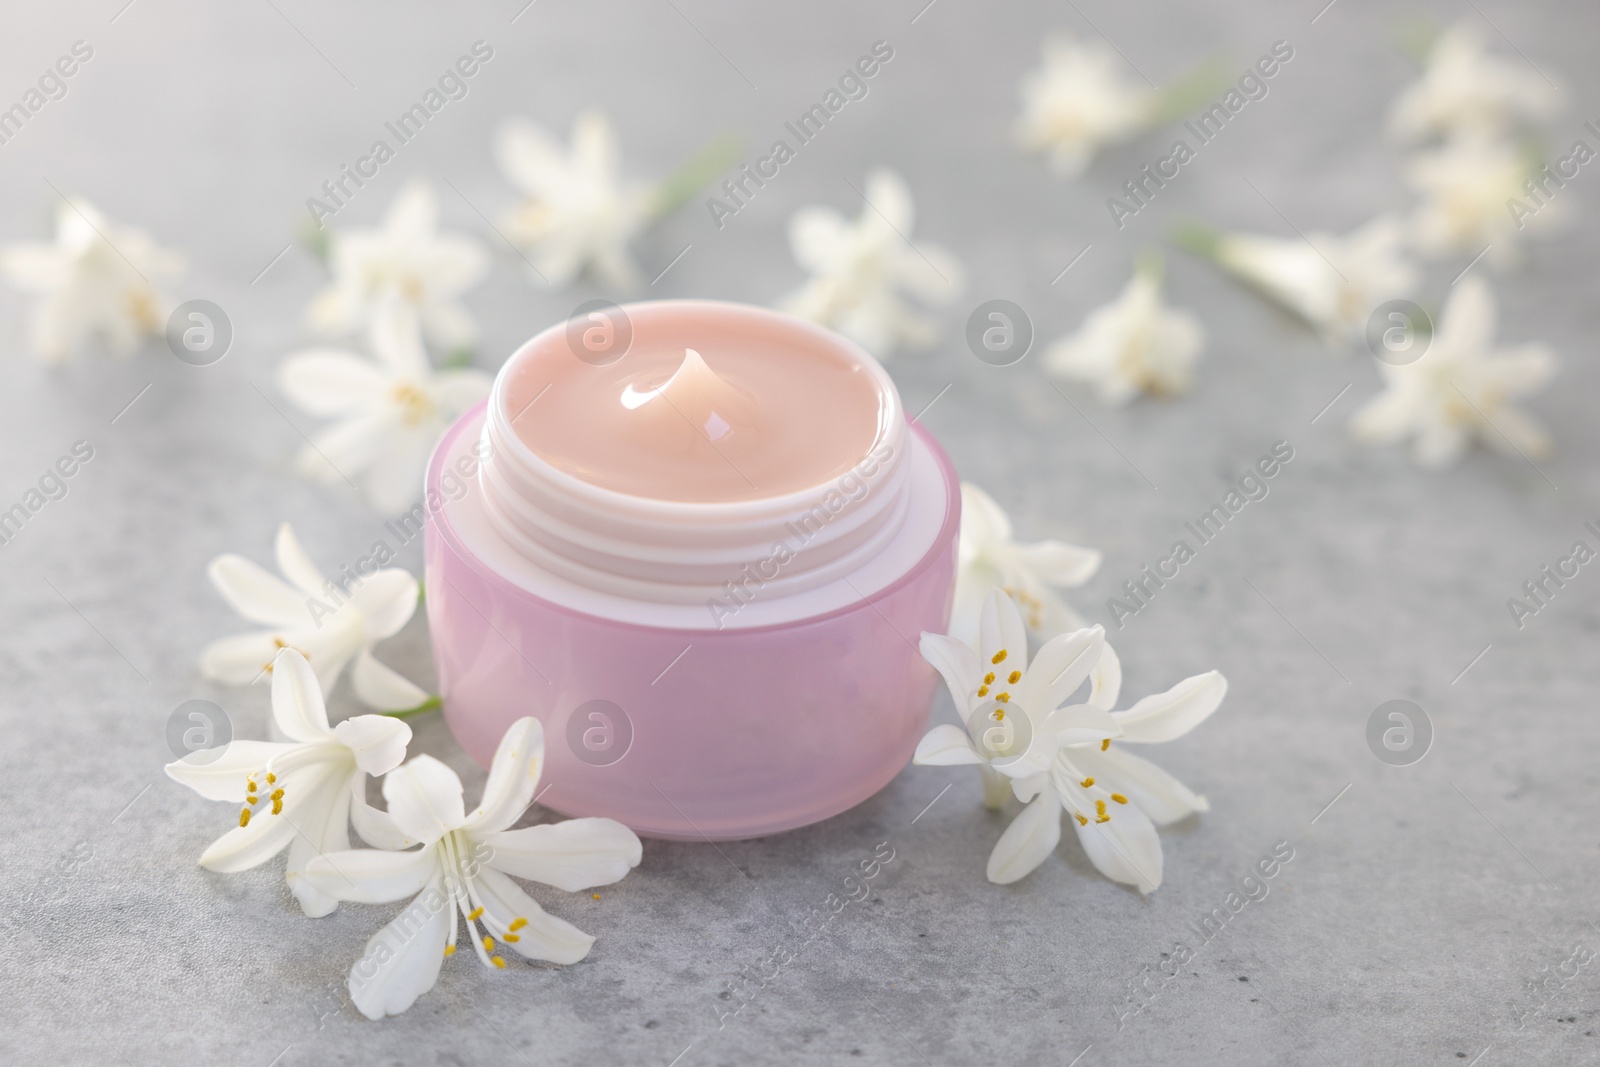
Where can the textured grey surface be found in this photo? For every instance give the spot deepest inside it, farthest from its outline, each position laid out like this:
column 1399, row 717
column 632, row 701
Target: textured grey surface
column 1418, row 909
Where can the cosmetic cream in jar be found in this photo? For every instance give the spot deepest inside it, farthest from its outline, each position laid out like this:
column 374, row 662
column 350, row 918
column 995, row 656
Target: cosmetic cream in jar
column 699, row 542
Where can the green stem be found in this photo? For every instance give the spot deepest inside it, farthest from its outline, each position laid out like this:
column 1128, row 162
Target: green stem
column 1197, row 237
column 1184, row 95
column 433, row 703
column 693, row 175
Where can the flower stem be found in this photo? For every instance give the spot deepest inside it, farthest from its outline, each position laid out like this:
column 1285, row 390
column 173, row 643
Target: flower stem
column 433, row 703
column 1197, row 237
column 693, row 174
column 1177, row 100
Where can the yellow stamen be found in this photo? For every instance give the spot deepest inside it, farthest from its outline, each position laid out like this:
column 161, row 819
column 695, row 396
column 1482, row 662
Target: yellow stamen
column 1119, row 798
column 1080, row 819
column 244, row 817
column 1105, row 744
column 277, row 794
column 518, row 923
column 1099, row 807
column 988, row 679
column 498, row 962
column 1087, row 782
column 998, row 657
column 488, row 943
column 1016, row 676
column 983, row 690
column 597, row 896
column 1102, row 818
column 250, row 785
column 277, row 807
column 999, row 714
column 271, row 778
column 475, row 914
column 449, row 950
column 513, row 937
column 251, row 800
column 1003, row 697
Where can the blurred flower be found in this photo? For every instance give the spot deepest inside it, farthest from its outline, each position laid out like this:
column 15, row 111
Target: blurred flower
column 327, row 622
column 1080, row 101
column 391, row 412
column 296, row 794
column 405, row 259
column 1059, row 757
column 1460, row 388
column 579, row 212
column 988, row 558
column 1133, row 344
column 1331, row 282
column 97, row 280
column 859, row 270
column 463, row 865
column 1466, row 90
column 1467, row 185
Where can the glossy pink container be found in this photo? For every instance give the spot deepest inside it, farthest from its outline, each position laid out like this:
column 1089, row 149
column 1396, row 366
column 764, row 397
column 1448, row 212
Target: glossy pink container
column 684, row 733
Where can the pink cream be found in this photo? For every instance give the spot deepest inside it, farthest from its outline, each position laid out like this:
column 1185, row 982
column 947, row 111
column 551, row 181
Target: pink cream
column 698, row 411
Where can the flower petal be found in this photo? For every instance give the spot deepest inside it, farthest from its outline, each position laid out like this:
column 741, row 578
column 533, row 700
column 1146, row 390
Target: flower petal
column 396, row 339
column 1030, row 838
column 513, row 776
column 297, row 705
column 372, row 876
column 239, row 660
column 296, row 565
column 946, row 746
column 572, row 855
column 1155, row 792
column 1105, row 681
column 1060, row 668
column 1081, row 724
column 380, row 686
column 1172, row 714
column 221, row 775
column 378, row 742
column 375, row 827
column 1057, row 562
column 401, row 962
column 306, row 795
column 1002, row 636
column 386, row 600
column 325, row 382
column 1125, row 848
column 543, row 937
column 324, row 832
column 956, row 663
column 424, row 798
column 256, row 593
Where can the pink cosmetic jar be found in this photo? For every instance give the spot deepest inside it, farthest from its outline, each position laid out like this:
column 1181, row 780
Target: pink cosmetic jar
column 704, row 670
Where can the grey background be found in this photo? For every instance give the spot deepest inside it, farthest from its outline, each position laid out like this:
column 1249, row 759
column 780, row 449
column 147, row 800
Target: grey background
column 1417, row 909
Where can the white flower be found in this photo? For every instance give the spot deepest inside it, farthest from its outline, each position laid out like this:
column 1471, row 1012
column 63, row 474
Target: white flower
column 1460, row 389
column 408, row 259
column 96, row 280
column 1465, row 89
column 1060, row 756
column 1133, row 345
column 988, row 558
column 390, row 413
column 1467, row 186
column 1079, row 101
column 859, row 270
column 579, row 210
column 1331, row 282
column 462, row 865
column 327, row 622
column 299, row 794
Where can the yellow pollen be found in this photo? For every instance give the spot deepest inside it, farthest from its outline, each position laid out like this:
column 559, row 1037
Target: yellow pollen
column 1080, row 819
column 251, row 800
column 1102, row 818
column 983, row 690
column 277, row 794
column 475, row 914
column 244, row 817
column 999, row 714
column 1119, row 798
column 1016, row 676
column 488, row 943
column 1087, row 782
column 1003, row 697
column 1100, row 807
column 250, row 785
column 597, row 896
column 1105, row 744
column 518, row 923
column 277, row 807
column 498, row 962
column 988, row 679
column 271, row 778
column 999, row 657
column 449, row 950
column 513, row 937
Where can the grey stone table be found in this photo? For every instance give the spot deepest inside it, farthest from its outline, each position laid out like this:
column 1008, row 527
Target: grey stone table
column 1424, row 905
